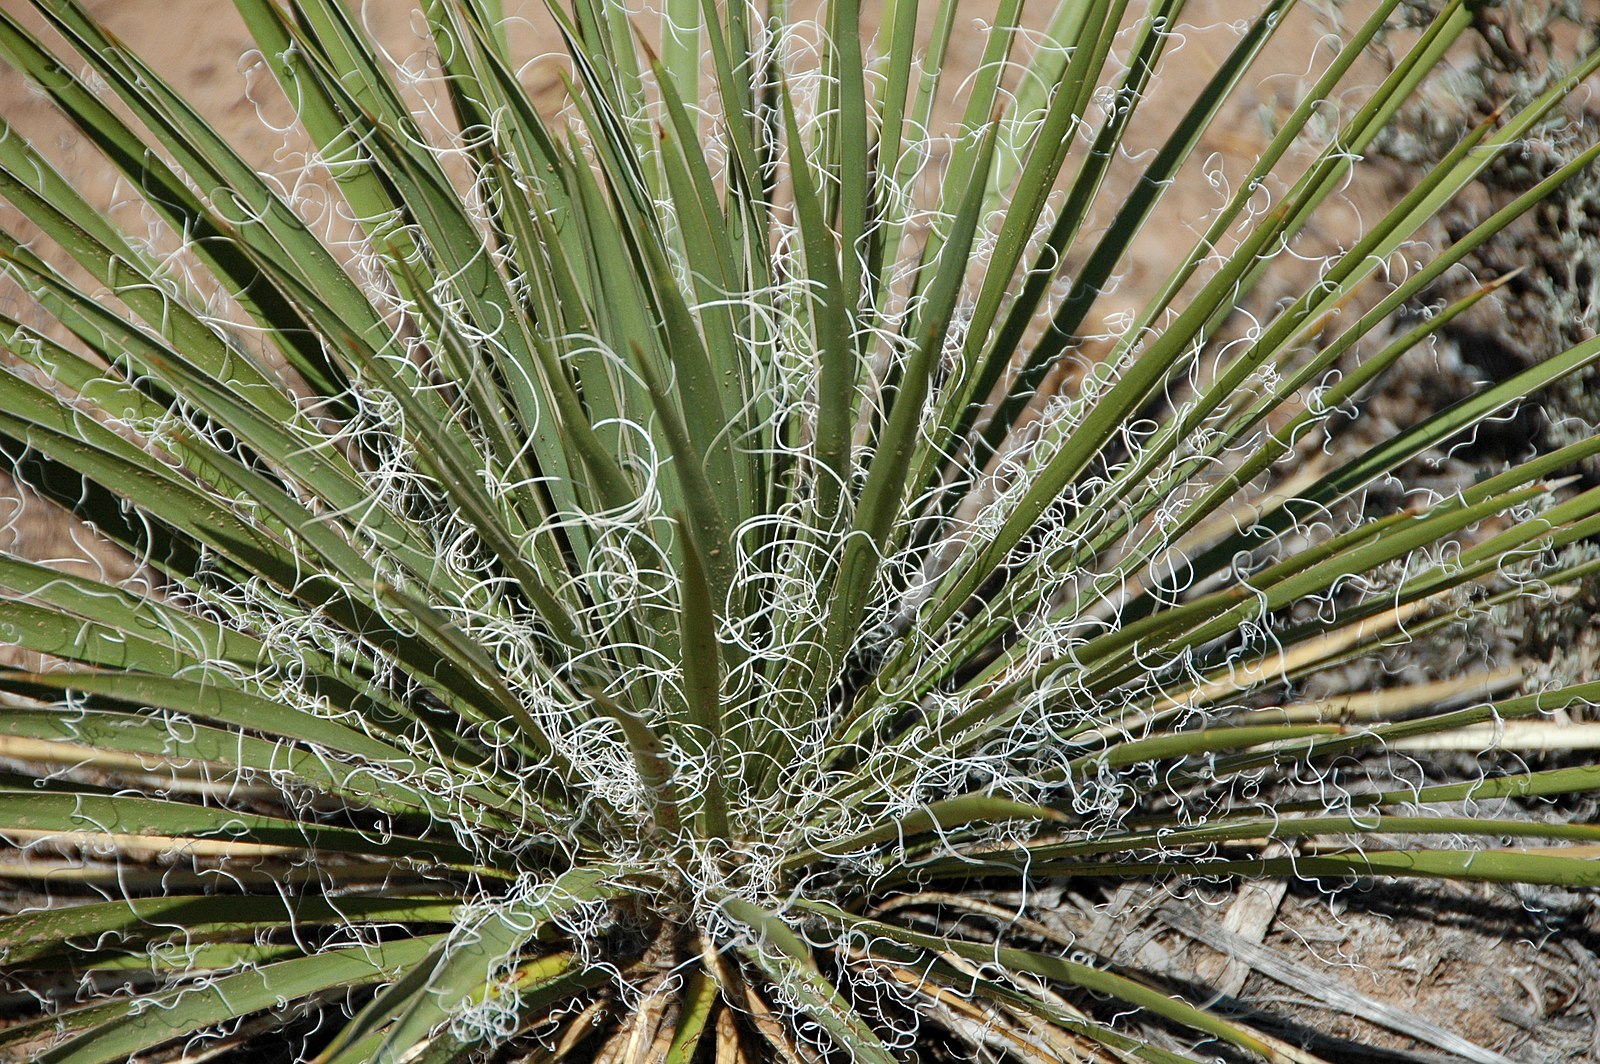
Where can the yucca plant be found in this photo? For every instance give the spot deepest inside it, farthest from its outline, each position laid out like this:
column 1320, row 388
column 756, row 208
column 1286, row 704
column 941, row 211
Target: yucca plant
column 676, row 581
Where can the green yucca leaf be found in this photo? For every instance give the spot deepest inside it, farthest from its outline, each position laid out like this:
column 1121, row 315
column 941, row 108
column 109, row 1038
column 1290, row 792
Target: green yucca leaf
column 112, row 1033
column 699, row 1001
column 656, row 574
column 1061, row 969
column 785, row 958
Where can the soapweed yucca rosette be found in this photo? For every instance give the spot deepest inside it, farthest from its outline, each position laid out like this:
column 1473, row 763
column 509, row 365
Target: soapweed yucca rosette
column 651, row 589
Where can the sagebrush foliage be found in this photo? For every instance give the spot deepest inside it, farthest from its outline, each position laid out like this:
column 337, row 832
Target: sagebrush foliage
column 671, row 581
